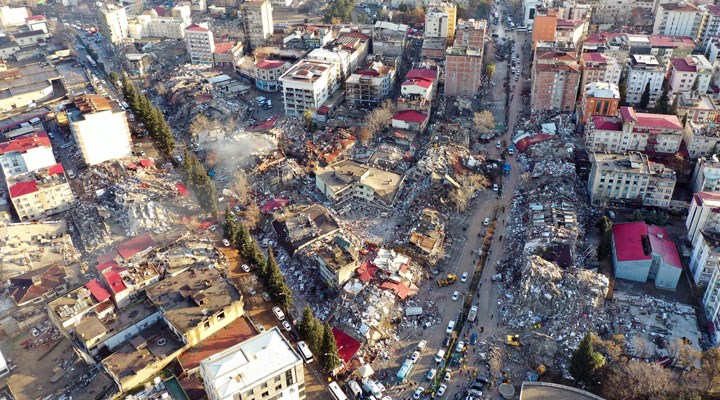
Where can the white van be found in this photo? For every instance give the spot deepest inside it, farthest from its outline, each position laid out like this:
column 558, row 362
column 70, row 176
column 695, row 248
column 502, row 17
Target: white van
column 421, row 345
column 278, row 313
column 440, row 355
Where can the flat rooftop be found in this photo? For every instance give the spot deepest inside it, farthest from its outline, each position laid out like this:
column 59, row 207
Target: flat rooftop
column 248, row 363
column 187, row 297
column 238, row 331
column 93, row 327
column 29, row 246
column 25, row 76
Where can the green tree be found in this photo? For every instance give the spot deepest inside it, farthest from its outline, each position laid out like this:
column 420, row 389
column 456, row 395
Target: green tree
column 696, row 84
column 622, row 88
column 230, row 228
column 307, row 118
column 285, row 296
column 662, row 106
column 675, row 104
column 585, row 360
column 490, row 70
column 645, row 98
column 329, row 357
column 243, row 241
column 307, row 322
column 604, row 249
column 112, row 76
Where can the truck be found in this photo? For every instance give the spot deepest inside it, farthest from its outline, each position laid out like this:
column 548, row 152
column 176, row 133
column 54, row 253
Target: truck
column 449, row 280
column 91, row 61
column 472, row 314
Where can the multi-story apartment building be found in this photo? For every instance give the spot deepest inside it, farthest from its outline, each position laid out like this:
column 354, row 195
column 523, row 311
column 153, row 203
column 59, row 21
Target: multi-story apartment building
column 389, row 38
column 264, row 366
column 336, row 261
column 369, row 87
column 40, row 193
column 200, row 43
column 631, row 131
column 701, row 139
column 112, row 22
column 463, row 71
column 471, row 33
column 555, row 80
column 630, row 178
column 711, row 27
column 436, row 23
column 667, row 47
column 356, row 43
column 257, row 21
column 156, row 23
column 703, row 215
column 307, row 85
column 418, row 90
column 351, row 181
column 693, row 71
column 711, row 303
column 698, row 108
column 100, row 129
column 570, row 31
column 598, row 99
column 644, row 71
column 228, row 54
column 599, row 67
column 706, row 175
column 678, row 19
column 26, row 153
column 268, row 73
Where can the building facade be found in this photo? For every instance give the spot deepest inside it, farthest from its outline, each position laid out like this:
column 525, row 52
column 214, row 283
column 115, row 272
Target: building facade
column 644, row 71
column 598, row 99
column 688, row 73
column 463, row 71
column 701, row 139
column 40, row 193
column 26, row 153
column 630, row 179
column 200, row 43
column 631, row 131
column 257, row 22
column 555, row 81
column 706, row 175
column 268, row 73
column 113, row 22
column 369, row 87
column 678, row 19
column 307, row 85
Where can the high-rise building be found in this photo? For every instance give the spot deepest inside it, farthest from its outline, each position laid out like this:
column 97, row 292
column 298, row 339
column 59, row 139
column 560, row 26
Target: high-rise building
column 264, row 366
column 440, row 21
column 40, row 193
column 113, row 22
column 464, row 60
column 555, row 80
column 307, row 85
column 200, row 43
column 100, row 129
column 644, row 73
column 678, row 19
column 257, row 22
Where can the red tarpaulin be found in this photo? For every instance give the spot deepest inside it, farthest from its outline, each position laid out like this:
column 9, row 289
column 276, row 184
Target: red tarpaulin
column 182, row 189
column 528, row 141
column 346, row 345
column 273, row 205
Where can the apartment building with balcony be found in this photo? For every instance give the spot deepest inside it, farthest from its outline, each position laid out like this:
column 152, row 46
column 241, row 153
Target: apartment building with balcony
column 555, row 78
column 630, row 179
column 706, row 175
column 632, row 131
column 703, row 232
column 200, row 43
column 711, row 27
column 307, row 85
column 351, row 181
column 257, row 21
column 678, row 19
column 599, row 67
column 686, row 73
column 368, row 87
column 418, row 90
column 701, row 139
column 440, row 21
column 112, row 22
column 26, row 153
column 643, row 71
column 40, row 193
column 711, row 303
column 699, row 108
column 268, row 73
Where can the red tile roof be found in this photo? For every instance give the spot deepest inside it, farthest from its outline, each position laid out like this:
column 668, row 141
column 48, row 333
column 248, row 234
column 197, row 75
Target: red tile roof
column 56, row 169
column 594, row 58
column 105, row 266
column 160, row 10
column 196, row 28
column 238, row 331
column 568, row 23
column 269, row 64
column 607, row 123
column 366, row 271
column 419, row 82
column 347, row 346
column 114, row 281
column 595, row 38
column 400, row 289
column 682, row 6
column 23, row 188
column 421, row 73
column 702, row 197
column 411, row 116
column 135, row 245
column 223, row 47
column 35, row 18
column 682, row 65
column 628, row 239
column 24, row 143
column 671, row 41
column 98, row 292
column 658, row 121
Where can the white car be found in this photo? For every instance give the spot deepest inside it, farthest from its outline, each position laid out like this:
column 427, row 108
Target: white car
column 245, row 268
column 439, row 356
column 278, row 313
column 455, row 295
column 414, row 357
column 448, row 376
column 511, row 151
column 226, row 243
column 486, row 221
column 431, row 374
column 498, row 145
column 460, row 346
column 287, row 326
column 463, row 277
column 450, row 327
column 418, row 392
column 421, row 345
column 441, row 390
column 495, row 187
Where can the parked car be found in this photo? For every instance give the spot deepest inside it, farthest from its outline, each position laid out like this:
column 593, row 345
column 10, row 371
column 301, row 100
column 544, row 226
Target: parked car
column 450, row 327
column 287, row 326
column 246, row 269
column 278, row 313
column 418, row 392
column 486, row 221
column 448, row 376
column 265, row 296
column 460, row 346
column 431, row 374
column 441, row 390
column 414, row 357
column 463, row 277
column 226, row 243
column 455, row 295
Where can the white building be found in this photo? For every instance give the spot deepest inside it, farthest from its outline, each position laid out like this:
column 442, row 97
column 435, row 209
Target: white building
column 678, row 19
column 711, row 302
column 706, row 176
column 701, row 140
column 705, row 257
column 684, row 72
column 703, row 215
column 41, row 193
column 262, row 367
column 26, row 153
column 113, row 22
column 630, row 178
column 13, row 17
column 307, row 85
column 200, row 43
column 644, row 70
column 711, row 28
column 340, row 60
column 268, row 73
column 634, row 131
column 369, row 87
column 100, row 129
column 436, row 23
column 257, row 22
column 170, row 27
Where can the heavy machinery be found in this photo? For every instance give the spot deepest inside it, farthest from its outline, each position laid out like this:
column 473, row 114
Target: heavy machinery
column 449, row 280
column 513, row 340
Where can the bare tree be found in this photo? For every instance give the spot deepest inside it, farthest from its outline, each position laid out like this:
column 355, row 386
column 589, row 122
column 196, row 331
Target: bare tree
column 376, row 120
column 684, row 353
column 211, row 159
column 612, row 348
column 251, row 215
column 639, row 379
column 484, row 121
column 240, row 186
column 641, row 346
column 198, row 125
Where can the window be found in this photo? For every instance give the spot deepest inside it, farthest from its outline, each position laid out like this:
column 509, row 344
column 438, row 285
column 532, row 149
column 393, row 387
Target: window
column 289, row 377
column 206, row 324
column 221, row 316
column 264, row 386
column 265, row 394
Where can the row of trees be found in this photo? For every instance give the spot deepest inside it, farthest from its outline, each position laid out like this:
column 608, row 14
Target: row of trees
column 149, row 115
column 320, row 339
column 200, row 183
column 604, row 363
column 268, row 270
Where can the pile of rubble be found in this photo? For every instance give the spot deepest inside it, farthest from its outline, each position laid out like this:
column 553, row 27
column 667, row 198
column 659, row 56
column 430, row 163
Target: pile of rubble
column 91, row 225
column 563, row 304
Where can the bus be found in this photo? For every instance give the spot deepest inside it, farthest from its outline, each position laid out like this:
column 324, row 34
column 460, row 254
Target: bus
column 305, row 352
column 336, row 392
column 405, row 370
